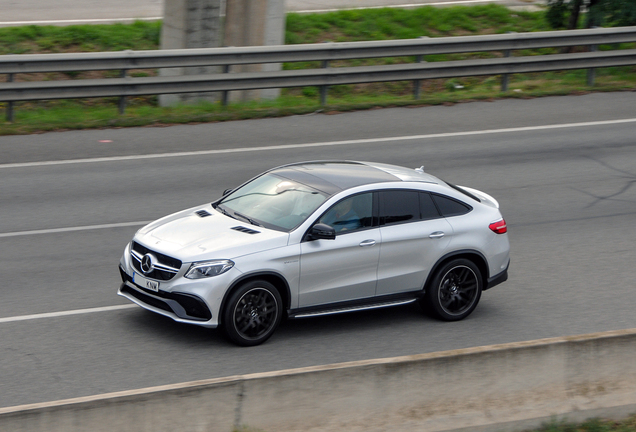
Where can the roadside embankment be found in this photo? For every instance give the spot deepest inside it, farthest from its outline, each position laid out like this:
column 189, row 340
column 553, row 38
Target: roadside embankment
column 500, row 387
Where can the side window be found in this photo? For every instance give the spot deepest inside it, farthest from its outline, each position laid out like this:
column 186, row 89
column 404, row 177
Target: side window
column 350, row 214
column 399, row 206
column 450, row 207
column 427, row 206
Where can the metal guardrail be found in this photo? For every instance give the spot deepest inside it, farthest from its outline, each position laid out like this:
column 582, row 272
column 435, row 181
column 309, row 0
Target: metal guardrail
column 324, row 52
column 29, row 63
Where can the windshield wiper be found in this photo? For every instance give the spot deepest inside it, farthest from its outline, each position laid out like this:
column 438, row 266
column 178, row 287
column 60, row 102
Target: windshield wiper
column 269, row 195
column 222, row 210
column 250, row 220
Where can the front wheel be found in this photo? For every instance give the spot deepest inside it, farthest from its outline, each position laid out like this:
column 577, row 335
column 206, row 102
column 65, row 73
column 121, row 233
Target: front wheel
column 454, row 291
column 252, row 313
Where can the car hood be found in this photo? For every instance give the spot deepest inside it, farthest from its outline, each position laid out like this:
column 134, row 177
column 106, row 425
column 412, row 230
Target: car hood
column 190, row 236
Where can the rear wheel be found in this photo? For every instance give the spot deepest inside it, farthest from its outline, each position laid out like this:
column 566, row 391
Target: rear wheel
column 252, row 313
column 454, row 291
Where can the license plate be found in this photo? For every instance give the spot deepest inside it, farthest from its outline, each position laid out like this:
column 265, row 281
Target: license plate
column 145, row 283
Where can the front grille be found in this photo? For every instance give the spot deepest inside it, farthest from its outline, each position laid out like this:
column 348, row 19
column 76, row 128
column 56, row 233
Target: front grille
column 165, row 259
column 165, row 269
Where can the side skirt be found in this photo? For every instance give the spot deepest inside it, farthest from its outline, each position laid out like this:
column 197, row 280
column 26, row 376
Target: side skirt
column 356, row 305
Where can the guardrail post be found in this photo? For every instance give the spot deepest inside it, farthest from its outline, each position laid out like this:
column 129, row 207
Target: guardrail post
column 225, row 94
column 122, row 99
column 504, row 77
column 591, row 72
column 10, row 103
column 417, row 83
column 324, row 88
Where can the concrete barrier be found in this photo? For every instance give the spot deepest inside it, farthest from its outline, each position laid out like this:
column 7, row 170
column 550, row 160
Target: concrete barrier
column 499, row 387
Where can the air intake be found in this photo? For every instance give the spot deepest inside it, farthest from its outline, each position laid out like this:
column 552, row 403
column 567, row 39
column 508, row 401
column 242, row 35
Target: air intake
column 203, row 213
column 245, row 230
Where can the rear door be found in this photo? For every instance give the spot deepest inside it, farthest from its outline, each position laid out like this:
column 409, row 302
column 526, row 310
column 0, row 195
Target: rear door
column 414, row 236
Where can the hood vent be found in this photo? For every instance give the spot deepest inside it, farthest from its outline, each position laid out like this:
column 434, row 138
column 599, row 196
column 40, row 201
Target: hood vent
column 203, row 213
column 245, row 230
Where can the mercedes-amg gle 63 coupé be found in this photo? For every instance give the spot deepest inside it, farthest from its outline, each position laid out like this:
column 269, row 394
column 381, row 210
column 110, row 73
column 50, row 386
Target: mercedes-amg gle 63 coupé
column 317, row 238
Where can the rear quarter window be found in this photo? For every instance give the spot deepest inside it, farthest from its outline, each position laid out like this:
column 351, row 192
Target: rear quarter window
column 450, row 207
column 427, row 206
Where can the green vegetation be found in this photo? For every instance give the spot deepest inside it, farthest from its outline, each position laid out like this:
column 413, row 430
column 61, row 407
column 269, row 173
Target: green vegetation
column 79, row 38
column 566, row 14
column 380, row 24
column 593, row 425
column 357, row 25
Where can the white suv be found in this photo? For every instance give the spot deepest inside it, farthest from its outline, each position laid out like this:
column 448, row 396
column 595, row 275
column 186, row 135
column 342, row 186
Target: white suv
column 318, row 238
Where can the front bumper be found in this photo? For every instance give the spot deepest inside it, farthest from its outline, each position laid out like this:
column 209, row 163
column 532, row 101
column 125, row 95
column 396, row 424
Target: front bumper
column 181, row 307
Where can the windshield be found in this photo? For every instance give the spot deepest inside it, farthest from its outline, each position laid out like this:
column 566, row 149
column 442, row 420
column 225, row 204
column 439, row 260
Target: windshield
column 273, row 202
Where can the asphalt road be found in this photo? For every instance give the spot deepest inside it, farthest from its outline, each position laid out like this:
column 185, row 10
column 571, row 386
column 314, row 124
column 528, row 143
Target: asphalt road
column 566, row 187
column 21, row 12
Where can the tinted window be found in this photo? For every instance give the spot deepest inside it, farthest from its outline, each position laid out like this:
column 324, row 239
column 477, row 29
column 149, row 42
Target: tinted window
column 350, row 214
column 399, row 207
column 427, row 207
column 450, row 207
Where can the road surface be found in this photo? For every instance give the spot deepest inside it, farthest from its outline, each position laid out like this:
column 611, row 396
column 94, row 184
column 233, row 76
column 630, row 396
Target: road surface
column 563, row 169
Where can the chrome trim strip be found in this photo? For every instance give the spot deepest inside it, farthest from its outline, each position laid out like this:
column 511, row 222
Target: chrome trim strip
column 166, row 268
column 354, row 308
column 136, row 255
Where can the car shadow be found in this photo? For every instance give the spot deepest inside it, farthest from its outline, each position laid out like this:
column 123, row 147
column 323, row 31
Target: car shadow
column 352, row 322
column 323, row 327
column 174, row 332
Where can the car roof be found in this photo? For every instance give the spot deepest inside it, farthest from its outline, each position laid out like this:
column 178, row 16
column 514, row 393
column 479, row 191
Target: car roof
column 334, row 176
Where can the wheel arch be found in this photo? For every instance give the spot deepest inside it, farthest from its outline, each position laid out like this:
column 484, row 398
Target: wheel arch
column 279, row 282
column 475, row 256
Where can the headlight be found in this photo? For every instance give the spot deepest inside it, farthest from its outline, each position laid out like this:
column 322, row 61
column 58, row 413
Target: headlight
column 200, row 270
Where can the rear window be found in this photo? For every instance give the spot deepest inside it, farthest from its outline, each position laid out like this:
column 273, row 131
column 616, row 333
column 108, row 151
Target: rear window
column 450, row 207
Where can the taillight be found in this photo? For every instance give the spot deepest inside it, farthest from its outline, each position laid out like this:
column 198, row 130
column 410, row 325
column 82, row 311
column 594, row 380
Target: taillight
column 499, row 227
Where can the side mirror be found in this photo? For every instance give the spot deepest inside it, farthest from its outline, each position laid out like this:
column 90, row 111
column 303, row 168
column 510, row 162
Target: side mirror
column 227, row 191
column 322, row 232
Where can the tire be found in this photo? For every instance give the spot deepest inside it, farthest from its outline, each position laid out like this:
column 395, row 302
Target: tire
column 454, row 290
column 252, row 313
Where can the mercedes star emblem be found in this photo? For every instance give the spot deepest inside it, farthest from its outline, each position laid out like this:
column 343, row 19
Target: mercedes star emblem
column 147, row 263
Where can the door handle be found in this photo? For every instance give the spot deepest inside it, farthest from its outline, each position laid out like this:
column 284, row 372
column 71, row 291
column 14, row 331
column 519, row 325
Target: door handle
column 437, row 234
column 367, row 243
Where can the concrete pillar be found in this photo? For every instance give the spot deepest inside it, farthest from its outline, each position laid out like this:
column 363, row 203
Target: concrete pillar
column 253, row 23
column 190, row 24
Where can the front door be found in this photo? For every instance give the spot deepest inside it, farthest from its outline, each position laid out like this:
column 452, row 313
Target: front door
column 344, row 268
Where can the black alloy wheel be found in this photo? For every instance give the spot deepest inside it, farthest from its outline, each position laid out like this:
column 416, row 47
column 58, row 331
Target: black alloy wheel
column 455, row 290
column 252, row 313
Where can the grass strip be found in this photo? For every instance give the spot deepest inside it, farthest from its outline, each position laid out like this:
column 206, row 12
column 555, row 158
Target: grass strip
column 592, row 425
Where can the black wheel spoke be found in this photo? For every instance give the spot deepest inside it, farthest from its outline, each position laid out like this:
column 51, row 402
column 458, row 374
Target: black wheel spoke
column 245, row 327
column 463, row 274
